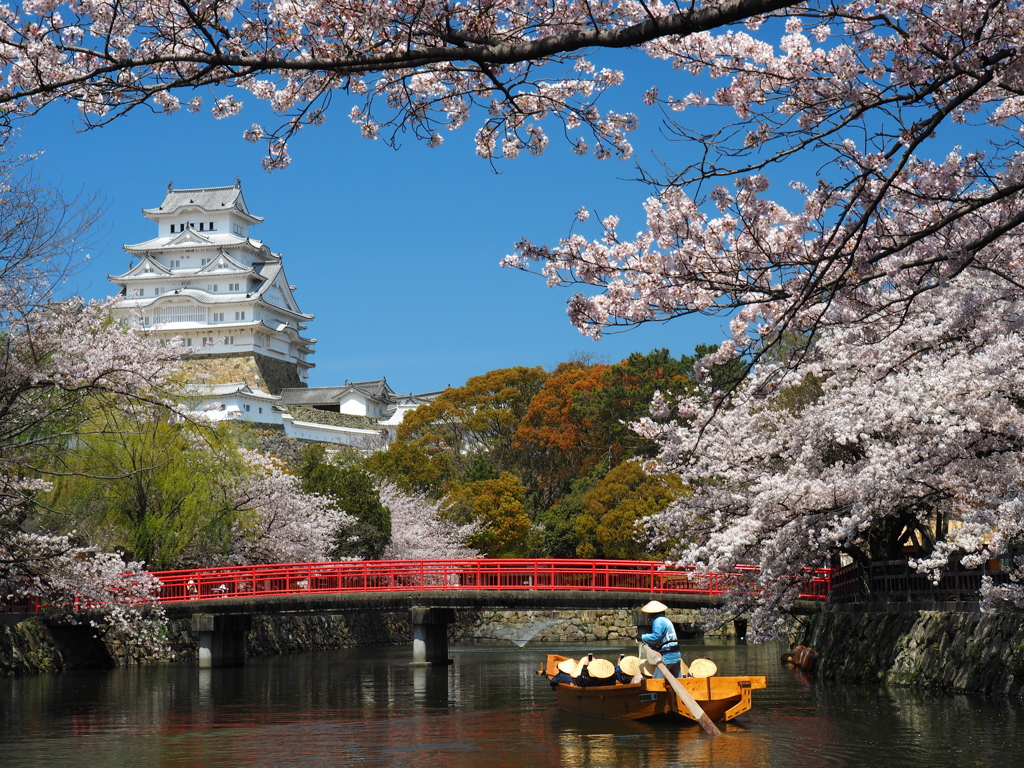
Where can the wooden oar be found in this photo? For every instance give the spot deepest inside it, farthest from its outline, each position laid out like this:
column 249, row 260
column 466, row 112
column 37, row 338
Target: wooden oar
column 655, row 659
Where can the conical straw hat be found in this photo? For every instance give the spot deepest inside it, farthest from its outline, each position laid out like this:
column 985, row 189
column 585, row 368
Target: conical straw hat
column 654, row 607
column 629, row 665
column 702, row 668
column 567, row 666
column 601, row 668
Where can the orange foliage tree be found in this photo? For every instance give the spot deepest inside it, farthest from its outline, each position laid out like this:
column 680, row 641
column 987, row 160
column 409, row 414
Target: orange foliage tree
column 555, row 443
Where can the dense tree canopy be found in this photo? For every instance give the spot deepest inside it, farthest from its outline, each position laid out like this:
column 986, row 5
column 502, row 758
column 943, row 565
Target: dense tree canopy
column 480, row 417
column 365, row 531
column 556, row 441
column 497, row 509
column 524, row 448
column 857, row 185
column 613, row 508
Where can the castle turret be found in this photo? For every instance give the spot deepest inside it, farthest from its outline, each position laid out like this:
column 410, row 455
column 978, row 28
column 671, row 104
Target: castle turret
column 225, row 294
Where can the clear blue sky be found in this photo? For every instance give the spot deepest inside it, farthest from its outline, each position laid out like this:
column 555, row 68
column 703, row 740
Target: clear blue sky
column 395, row 252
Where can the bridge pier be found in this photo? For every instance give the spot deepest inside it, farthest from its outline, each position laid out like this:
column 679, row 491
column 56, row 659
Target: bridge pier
column 430, row 635
column 740, row 627
column 221, row 639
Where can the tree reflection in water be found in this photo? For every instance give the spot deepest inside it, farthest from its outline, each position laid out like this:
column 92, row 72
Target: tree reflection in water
column 367, row 707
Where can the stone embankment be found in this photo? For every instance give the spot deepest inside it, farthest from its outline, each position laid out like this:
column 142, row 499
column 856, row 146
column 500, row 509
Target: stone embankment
column 32, row 646
column 520, row 627
column 953, row 651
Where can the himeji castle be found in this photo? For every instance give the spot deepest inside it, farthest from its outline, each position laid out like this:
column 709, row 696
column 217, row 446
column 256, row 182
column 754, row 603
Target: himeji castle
column 203, row 278
column 225, row 294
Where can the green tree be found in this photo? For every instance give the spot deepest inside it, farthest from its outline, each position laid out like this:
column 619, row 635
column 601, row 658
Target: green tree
column 161, row 491
column 477, row 419
column 411, row 468
column 607, row 525
column 625, row 395
column 344, row 479
column 498, row 507
column 558, row 536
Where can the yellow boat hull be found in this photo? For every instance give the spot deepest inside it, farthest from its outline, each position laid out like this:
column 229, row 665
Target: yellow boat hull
column 721, row 698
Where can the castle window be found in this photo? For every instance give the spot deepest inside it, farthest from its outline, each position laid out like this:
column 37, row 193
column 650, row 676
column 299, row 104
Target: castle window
column 210, row 227
column 232, row 286
column 240, row 315
column 172, row 229
column 202, row 226
column 188, row 342
column 246, row 407
column 204, row 262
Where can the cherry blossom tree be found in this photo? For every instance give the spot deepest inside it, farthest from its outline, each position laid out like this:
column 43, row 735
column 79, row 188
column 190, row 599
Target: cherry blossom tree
column 281, row 523
column 58, row 361
column 908, row 423
column 867, row 93
column 419, row 530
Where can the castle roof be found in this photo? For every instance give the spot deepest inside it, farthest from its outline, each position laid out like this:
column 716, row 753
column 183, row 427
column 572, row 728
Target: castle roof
column 377, row 389
column 210, row 199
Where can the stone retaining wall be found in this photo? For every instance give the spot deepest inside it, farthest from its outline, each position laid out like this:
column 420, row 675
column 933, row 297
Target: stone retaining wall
column 32, row 646
column 255, row 369
column 521, row 627
column 955, row 651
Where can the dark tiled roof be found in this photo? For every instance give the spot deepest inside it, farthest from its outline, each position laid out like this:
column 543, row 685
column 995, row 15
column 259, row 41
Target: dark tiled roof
column 375, row 390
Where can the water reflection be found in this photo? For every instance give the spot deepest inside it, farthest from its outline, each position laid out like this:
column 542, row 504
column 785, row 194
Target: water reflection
column 369, row 708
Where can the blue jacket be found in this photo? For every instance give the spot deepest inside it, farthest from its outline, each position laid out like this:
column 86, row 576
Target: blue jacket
column 662, row 638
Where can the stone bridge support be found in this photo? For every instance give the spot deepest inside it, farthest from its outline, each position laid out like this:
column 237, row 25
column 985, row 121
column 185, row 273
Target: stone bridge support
column 221, row 639
column 430, row 635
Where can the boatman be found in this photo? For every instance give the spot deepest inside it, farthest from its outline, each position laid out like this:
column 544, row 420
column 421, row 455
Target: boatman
column 662, row 638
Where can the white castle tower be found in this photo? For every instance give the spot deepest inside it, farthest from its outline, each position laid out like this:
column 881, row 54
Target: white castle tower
column 204, row 279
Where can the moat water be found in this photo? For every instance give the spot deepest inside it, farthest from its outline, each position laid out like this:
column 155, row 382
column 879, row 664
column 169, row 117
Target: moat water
column 367, row 707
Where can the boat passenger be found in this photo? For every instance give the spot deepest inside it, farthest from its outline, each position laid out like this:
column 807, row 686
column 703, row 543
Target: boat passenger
column 591, row 672
column 565, row 670
column 662, row 638
column 628, row 669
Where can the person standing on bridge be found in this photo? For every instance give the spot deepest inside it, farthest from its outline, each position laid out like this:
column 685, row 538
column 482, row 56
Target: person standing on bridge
column 662, row 638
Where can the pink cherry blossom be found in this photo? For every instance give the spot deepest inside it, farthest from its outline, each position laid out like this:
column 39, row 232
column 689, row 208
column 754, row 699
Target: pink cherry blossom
column 418, row 530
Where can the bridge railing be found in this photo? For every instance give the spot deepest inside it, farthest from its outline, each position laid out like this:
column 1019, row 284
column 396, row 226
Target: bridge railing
column 895, row 581
column 449, row 575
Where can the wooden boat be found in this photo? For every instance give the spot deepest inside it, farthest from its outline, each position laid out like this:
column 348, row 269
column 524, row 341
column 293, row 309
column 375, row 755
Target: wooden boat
column 721, row 698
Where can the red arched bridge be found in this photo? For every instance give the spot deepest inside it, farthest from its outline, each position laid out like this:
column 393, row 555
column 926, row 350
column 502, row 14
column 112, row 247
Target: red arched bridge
column 509, row 576
column 221, row 600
